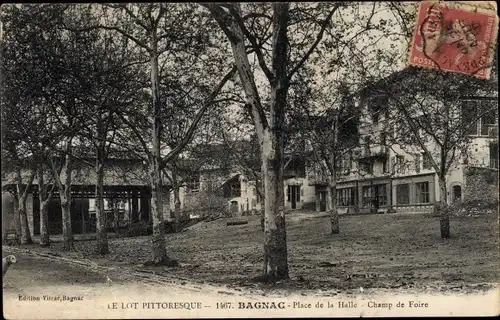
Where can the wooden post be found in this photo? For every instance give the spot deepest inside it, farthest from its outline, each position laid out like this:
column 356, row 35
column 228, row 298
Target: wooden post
column 135, row 205
column 83, row 213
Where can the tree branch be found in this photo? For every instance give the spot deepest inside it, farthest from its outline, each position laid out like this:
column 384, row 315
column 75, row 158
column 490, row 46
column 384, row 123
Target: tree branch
column 197, row 119
column 324, row 25
column 112, row 28
column 137, row 134
column 257, row 48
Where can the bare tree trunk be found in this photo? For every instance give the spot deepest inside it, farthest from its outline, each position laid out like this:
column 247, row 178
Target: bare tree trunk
column 22, row 192
column 260, row 192
column 158, row 238
column 44, row 197
column 332, row 203
column 65, row 195
column 25, row 233
column 177, row 201
column 332, row 183
column 270, row 133
column 159, row 250
column 177, row 209
column 444, row 219
column 262, row 218
column 275, row 247
column 101, row 227
column 66, row 223
column 44, row 222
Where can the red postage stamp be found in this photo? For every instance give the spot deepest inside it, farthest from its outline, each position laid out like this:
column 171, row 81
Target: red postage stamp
column 452, row 38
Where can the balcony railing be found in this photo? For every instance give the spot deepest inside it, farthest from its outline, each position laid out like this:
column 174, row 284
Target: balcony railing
column 374, row 151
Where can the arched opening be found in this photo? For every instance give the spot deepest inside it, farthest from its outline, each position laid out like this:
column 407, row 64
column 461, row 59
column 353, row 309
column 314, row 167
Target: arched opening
column 457, row 193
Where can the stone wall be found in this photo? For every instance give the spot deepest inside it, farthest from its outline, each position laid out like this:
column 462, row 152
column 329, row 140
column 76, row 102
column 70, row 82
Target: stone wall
column 481, row 185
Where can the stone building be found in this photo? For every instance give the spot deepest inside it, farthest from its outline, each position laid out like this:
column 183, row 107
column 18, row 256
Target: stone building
column 400, row 178
column 235, row 188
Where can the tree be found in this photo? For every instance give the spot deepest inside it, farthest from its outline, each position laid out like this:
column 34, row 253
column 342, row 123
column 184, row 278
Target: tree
column 331, row 130
column 64, row 93
column 27, row 130
column 183, row 101
column 112, row 73
column 166, row 35
column 250, row 27
column 16, row 158
column 431, row 115
column 45, row 195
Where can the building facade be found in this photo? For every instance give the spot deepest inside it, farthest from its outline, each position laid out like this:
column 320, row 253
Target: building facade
column 237, row 191
column 384, row 176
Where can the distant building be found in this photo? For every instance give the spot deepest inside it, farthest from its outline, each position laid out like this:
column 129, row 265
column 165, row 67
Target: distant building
column 235, row 187
column 384, row 175
column 125, row 183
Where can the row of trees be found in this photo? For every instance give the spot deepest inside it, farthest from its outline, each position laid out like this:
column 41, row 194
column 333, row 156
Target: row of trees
column 149, row 80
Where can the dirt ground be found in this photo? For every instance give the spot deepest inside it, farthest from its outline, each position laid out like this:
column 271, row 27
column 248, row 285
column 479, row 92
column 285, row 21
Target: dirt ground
column 401, row 252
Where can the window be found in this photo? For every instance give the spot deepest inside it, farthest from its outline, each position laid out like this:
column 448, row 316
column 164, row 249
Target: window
column 422, row 192
column 403, row 194
column 346, row 197
column 488, row 119
column 400, row 162
column 344, row 163
column 367, row 167
column 478, row 117
column 375, row 195
column 193, row 185
column 293, row 193
column 417, row 162
column 375, row 117
column 367, row 197
column 366, row 146
column 427, row 161
column 469, row 116
column 339, row 164
column 235, row 189
column 382, row 195
column 385, row 165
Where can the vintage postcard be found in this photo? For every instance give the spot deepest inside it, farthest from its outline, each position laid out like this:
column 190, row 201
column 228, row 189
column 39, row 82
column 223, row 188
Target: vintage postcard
column 227, row 160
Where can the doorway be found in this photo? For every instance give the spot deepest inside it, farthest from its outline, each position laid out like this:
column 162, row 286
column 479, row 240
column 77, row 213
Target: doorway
column 322, row 200
column 234, row 207
column 293, row 196
column 457, row 193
